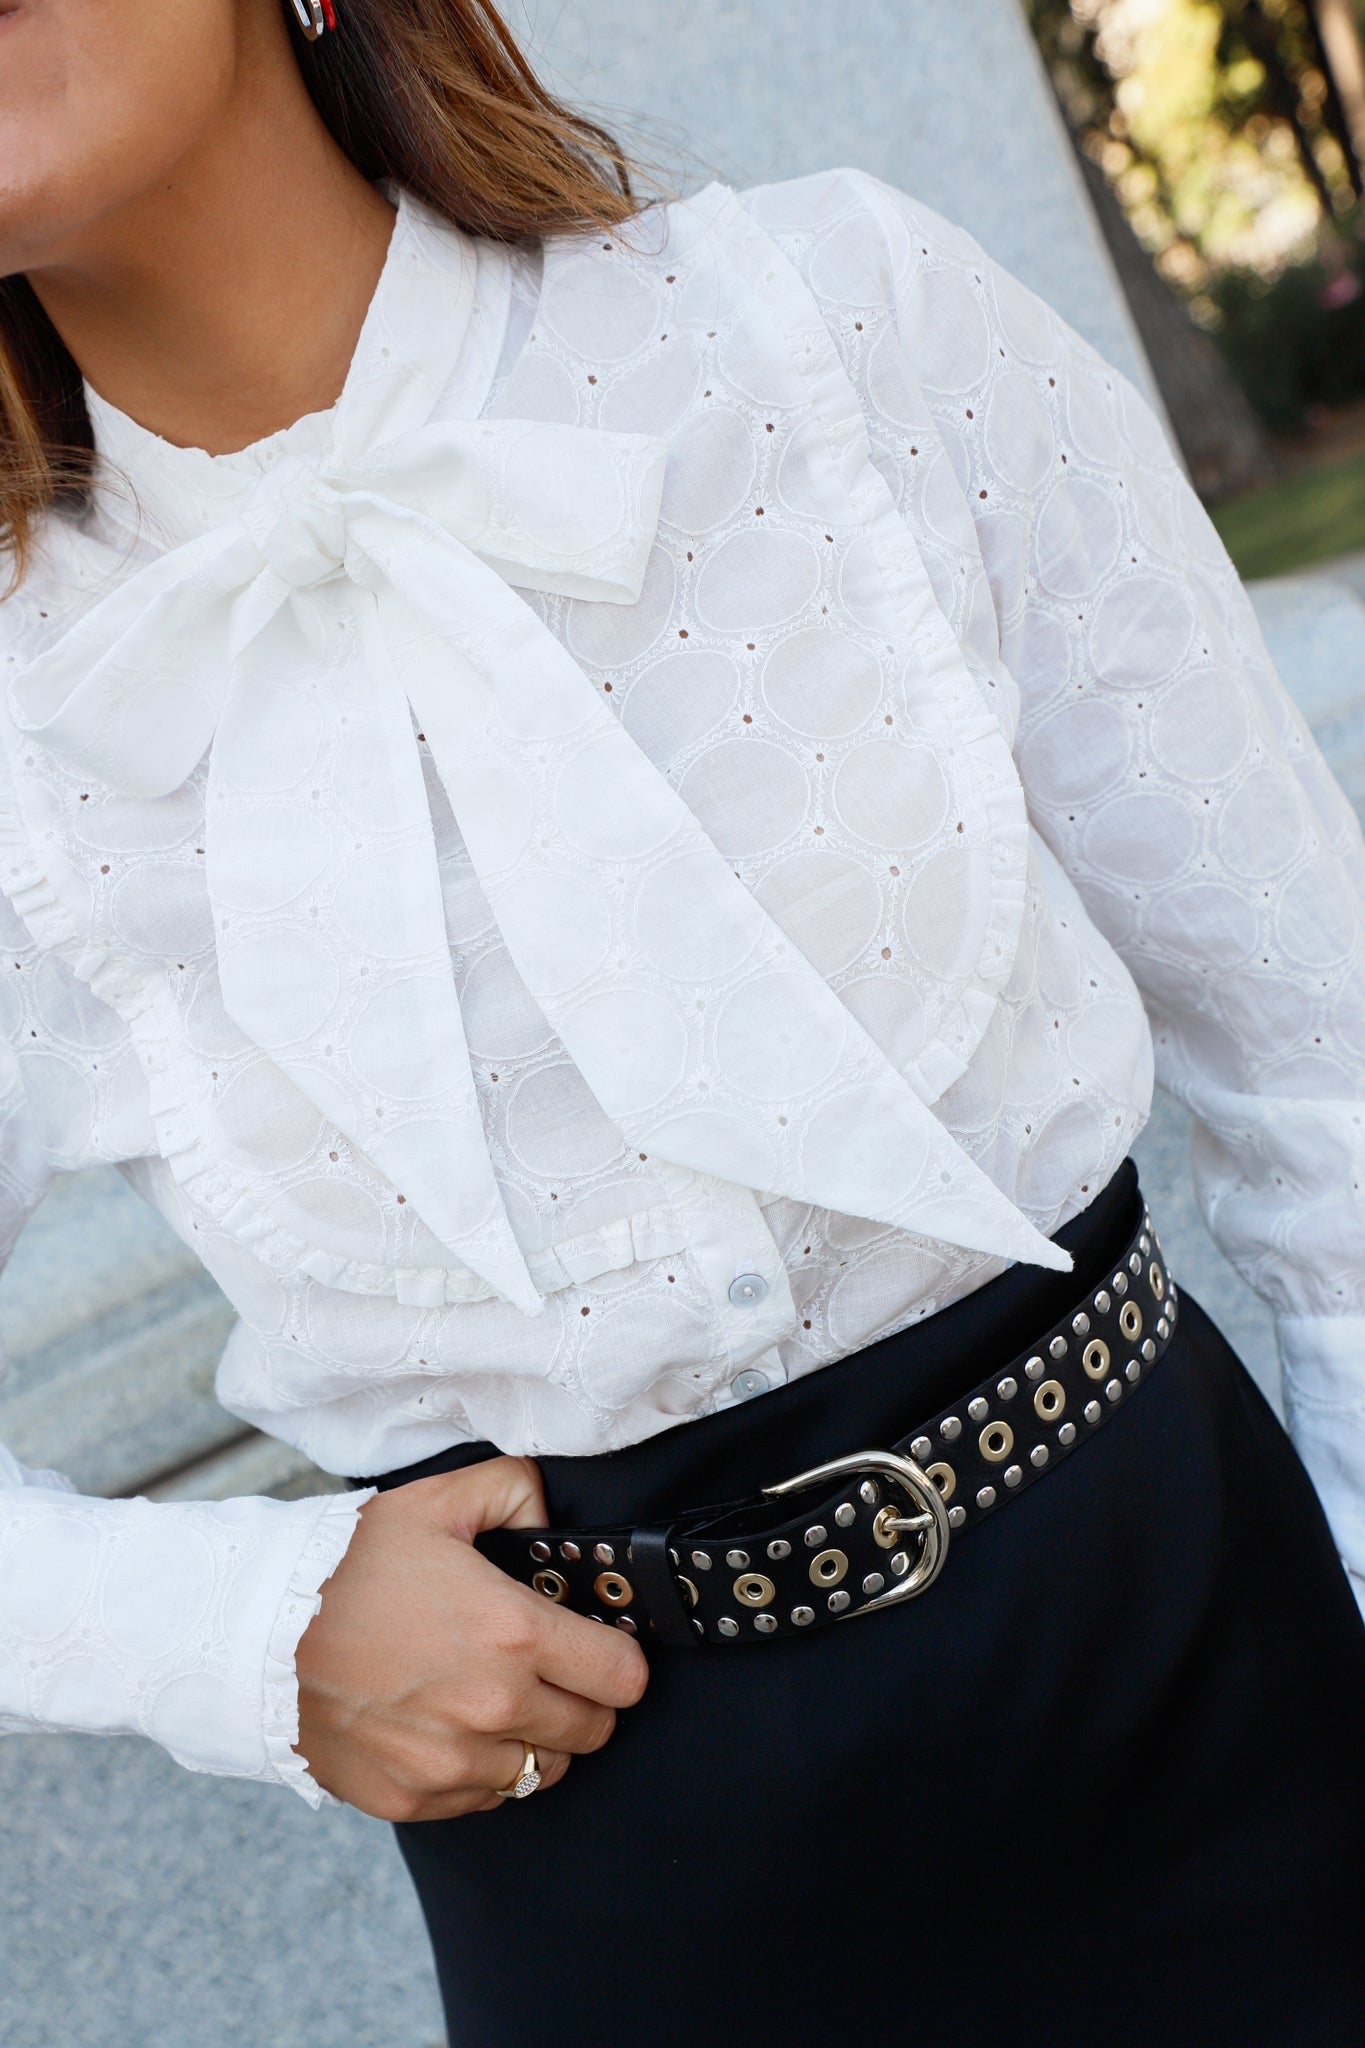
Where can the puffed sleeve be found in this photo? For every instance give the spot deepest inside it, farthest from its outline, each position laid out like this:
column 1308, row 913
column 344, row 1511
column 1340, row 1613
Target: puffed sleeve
column 175, row 1621
column 1172, row 776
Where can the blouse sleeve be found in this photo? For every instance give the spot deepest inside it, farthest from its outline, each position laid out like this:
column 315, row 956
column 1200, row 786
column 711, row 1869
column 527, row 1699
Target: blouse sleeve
column 1171, row 775
column 176, row 1621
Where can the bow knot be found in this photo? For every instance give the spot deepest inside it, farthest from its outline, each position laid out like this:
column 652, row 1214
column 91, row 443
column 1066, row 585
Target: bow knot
column 297, row 517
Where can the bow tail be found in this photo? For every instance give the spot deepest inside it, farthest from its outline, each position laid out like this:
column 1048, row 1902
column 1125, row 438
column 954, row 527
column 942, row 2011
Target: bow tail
column 705, row 1035
column 332, row 943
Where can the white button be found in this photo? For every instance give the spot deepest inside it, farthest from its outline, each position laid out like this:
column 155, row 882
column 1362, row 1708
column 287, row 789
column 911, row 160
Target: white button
column 745, row 1385
column 748, row 1290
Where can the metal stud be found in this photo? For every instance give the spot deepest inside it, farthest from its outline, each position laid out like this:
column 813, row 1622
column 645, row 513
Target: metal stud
column 1119, row 1283
column 765, row 1623
column 624, row 1621
column 870, row 1493
column 727, row 1625
column 873, row 1583
column 752, row 1589
column 1067, row 1433
column 816, row 1535
column 1148, row 1349
column 1103, row 1303
column 604, row 1553
column 701, row 1560
column 1007, row 1388
column 572, row 1552
column 956, row 1517
column 1144, row 1244
column 699, row 1626
column 778, row 1549
column 827, row 1567
column 1049, row 1401
column 690, row 1593
column 1095, row 1358
column 1035, row 1369
column 803, row 1616
column 1135, row 1262
column 1093, row 1411
column 900, row 1563
column 541, row 1552
column 986, row 1497
column 997, row 1438
column 845, row 1514
column 1058, row 1347
column 1038, row 1455
column 1163, row 1328
column 921, row 1449
column 1081, row 1324
column 611, row 1588
column 1113, row 1390
column 1132, row 1371
column 674, row 1559
column 736, row 1559
column 978, row 1409
column 950, row 1427
column 838, row 1602
column 1013, row 1474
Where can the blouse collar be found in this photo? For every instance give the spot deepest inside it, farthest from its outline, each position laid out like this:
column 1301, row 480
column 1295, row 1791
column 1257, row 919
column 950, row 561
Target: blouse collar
column 429, row 346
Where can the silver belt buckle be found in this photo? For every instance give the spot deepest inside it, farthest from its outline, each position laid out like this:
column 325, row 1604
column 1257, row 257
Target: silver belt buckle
column 929, row 1523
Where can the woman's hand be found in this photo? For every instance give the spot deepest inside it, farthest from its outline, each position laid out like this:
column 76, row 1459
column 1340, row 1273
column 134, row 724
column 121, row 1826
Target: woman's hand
column 427, row 1668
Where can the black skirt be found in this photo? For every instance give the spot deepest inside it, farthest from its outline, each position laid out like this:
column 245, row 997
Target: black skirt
column 1102, row 1786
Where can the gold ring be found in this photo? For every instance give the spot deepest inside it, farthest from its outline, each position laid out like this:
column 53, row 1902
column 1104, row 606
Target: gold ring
column 527, row 1780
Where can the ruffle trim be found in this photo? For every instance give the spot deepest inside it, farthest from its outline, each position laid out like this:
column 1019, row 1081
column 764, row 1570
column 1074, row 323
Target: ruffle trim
column 327, row 1544
column 777, row 286
column 141, row 999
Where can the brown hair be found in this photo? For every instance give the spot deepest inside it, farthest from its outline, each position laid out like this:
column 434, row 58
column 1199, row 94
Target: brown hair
column 435, row 95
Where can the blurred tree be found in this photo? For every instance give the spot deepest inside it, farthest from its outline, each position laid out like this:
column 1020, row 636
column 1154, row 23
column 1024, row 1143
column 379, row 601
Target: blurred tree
column 1231, row 134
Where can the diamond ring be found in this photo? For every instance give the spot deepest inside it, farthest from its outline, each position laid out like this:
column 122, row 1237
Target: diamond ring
column 527, row 1781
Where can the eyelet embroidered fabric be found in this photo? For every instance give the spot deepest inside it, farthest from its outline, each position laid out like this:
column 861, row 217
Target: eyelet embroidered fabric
column 479, row 1055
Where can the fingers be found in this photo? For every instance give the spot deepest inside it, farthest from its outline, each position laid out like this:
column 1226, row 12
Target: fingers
column 558, row 1720
column 499, row 1493
column 583, row 1657
column 502, row 1757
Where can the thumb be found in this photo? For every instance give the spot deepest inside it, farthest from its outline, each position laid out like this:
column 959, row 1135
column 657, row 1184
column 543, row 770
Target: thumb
column 499, row 1493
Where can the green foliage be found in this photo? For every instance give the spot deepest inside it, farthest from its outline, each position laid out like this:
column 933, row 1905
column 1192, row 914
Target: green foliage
column 1293, row 351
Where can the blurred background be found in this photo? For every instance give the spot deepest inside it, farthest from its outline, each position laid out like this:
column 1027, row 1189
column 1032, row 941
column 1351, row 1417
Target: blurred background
column 1182, row 179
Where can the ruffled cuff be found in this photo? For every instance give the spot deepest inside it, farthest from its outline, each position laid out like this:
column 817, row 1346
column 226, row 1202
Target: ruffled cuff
column 1323, row 1358
column 323, row 1552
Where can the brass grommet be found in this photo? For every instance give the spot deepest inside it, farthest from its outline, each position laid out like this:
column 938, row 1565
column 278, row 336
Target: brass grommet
column 944, row 1478
column 1130, row 1321
column 1095, row 1358
column 753, row 1590
column 884, row 1530
column 1156, row 1280
column 827, row 1567
column 996, row 1440
column 552, row 1584
column 611, row 1587
column 1049, row 1401
column 690, row 1593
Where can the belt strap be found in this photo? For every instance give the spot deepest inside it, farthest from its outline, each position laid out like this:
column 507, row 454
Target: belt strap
column 874, row 1528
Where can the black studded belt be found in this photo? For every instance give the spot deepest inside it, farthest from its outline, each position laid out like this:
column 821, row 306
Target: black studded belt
column 873, row 1528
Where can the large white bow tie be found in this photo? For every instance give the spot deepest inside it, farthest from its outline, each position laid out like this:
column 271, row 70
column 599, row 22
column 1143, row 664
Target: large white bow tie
column 705, row 1036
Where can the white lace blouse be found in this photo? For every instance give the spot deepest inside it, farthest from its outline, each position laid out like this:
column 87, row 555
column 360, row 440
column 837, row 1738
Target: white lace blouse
column 650, row 846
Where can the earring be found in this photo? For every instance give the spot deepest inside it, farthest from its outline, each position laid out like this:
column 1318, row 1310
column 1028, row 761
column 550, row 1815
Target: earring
column 314, row 16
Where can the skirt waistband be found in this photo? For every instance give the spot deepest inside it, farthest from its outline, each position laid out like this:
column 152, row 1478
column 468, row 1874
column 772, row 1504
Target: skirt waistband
column 871, row 1397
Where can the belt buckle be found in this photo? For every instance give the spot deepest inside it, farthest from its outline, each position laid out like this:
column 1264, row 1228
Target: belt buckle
column 929, row 1523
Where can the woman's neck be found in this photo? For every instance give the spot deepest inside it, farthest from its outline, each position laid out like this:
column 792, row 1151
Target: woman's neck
column 225, row 302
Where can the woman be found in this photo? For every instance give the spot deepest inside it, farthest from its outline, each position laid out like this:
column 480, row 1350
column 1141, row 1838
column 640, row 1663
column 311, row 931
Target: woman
column 590, row 793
